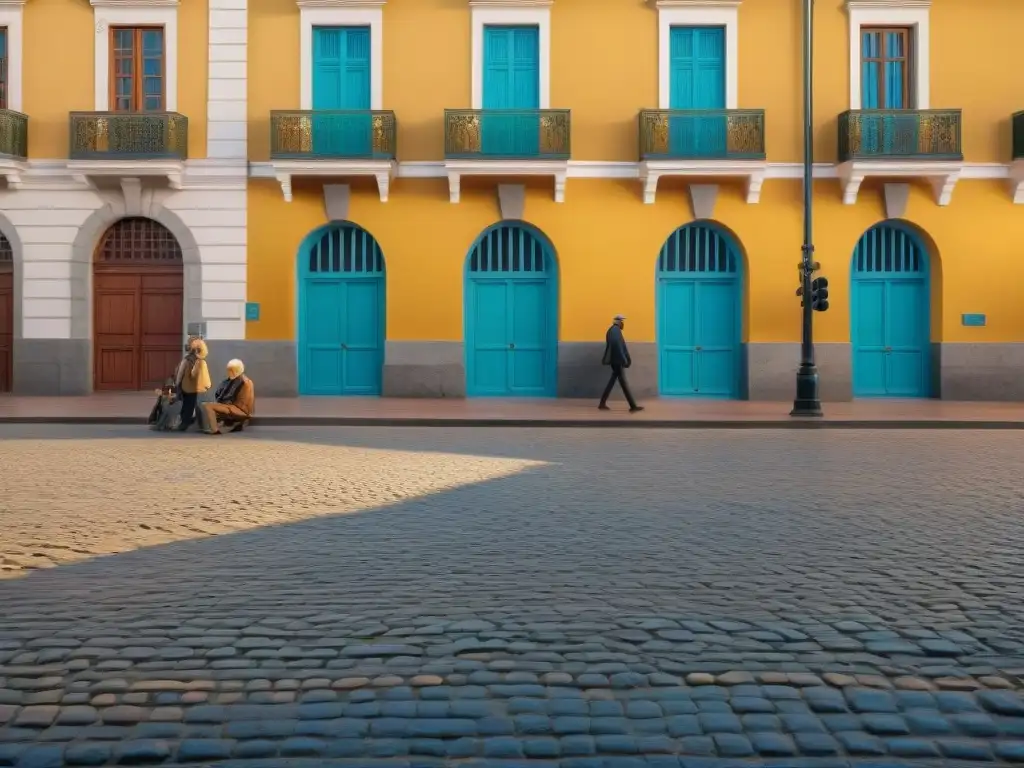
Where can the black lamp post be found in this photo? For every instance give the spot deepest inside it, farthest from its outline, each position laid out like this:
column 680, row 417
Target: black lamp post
column 808, row 400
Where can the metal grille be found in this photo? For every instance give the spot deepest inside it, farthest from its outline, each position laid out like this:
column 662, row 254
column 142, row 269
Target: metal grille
column 697, row 248
column 347, row 248
column 137, row 239
column 6, row 251
column 890, row 250
column 510, row 248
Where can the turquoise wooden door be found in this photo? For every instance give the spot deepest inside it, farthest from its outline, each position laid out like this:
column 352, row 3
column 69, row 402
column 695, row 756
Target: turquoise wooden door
column 890, row 323
column 341, row 313
column 511, row 81
column 884, row 86
column 341, row 81
column 511, row 314
column 697, row 82
column 699, row 314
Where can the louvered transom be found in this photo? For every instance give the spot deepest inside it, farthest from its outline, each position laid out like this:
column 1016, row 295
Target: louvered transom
column 889, row 250
column 510, row 248
column 6, row 251
column 138, row 240
column 346, row 249
column 697, row 249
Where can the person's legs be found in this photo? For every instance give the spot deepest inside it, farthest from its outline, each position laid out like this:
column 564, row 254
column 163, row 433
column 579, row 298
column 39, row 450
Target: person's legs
column 608, row 388
column 188, row 409
column 221, row 411
column 625, row 390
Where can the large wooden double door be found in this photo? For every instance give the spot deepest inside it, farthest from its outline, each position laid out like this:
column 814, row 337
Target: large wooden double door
column 138, row 286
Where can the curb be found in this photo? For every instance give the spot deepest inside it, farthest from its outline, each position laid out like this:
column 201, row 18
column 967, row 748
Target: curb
column 427, row 422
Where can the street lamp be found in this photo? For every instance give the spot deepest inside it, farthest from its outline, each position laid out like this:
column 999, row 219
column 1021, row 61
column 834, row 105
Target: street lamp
column 808, row 400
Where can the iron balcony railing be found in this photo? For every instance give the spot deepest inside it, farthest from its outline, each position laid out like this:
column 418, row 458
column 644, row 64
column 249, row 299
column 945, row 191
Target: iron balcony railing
column 880, row 134
column 1017, row 124
column 333, row 134
column 13, row 134
column 507, row 134
column 702, row 134
column 128, row 136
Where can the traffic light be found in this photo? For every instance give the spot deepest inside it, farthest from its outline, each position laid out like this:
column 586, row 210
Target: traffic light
column 819, row 294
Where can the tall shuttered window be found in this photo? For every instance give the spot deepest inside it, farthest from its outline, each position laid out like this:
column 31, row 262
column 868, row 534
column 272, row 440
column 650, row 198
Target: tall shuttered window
column 3, row 67
column 886, row 77
column 137, row 69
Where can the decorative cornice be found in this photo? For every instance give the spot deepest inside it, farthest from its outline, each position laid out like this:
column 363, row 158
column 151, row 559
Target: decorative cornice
column 858, row 4
column 134, row 3
column 340, row 3
column 510, row 3
column 664, row 4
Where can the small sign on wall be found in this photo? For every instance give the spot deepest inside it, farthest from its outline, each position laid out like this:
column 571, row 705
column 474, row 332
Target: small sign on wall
column 973, row 320
column 197, row 329
column 252, row 311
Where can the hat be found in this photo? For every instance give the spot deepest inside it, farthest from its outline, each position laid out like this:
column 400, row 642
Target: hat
column 619, row 317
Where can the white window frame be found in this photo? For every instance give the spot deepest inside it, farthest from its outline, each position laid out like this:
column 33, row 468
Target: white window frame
column 11, row 14
column 341, row 13
column 143, row 13
column 699, row 13
column 511, row 13
column 892, row 13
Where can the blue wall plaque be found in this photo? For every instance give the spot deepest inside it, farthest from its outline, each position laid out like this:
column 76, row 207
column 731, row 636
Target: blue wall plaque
column 252, row 310
column 973, row 320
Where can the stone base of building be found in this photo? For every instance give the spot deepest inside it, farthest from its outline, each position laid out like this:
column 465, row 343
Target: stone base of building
column 271, row 364
column 436, row 369
column 424, row 369
column 993, row 372
column 52, row 367
column 771, row 371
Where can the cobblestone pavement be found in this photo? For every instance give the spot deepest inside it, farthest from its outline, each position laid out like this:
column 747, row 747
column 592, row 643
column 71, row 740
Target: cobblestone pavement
column 580, row 599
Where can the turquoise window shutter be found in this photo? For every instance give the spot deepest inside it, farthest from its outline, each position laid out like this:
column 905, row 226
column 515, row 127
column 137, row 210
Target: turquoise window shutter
column 341, row 81
column 511, row 81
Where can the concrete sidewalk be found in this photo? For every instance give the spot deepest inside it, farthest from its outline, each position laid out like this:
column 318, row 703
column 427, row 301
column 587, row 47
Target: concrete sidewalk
column 133, row 407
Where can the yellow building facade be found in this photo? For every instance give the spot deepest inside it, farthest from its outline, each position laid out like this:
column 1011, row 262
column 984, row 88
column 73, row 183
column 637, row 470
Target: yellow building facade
column 454, row 197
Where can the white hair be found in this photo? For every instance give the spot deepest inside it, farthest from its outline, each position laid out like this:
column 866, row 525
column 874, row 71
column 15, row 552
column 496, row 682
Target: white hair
column 236, row 366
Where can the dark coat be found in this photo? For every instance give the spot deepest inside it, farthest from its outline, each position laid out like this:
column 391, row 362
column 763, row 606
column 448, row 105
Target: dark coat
column 615, row 351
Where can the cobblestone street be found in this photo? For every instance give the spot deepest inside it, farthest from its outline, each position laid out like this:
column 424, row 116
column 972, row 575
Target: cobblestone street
column 498, row 597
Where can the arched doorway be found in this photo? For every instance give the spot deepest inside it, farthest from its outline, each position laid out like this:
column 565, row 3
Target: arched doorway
column 6, row 314
column 138, row 297
column 700, row 300
column 341, row 312
column 890, row 314
column 511, row 313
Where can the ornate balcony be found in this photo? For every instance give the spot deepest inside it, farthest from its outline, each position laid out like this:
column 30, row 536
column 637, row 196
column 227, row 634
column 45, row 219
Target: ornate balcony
column 333, row 143
column 334, row 134
column 507, row 142
column 900, row 142
column 13, row 146
column 702, row 134
column 128, row 136
column 702, row 142
column 129, row 145
column 13, row 134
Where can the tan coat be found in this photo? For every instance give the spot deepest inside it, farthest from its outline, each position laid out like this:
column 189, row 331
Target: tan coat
column 195, row 379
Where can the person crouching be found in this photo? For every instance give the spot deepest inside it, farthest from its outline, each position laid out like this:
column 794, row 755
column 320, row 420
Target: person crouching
column 235, row 402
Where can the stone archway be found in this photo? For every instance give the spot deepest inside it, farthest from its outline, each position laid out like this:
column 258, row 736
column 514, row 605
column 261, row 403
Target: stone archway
column 10, row 300
column 83, row 253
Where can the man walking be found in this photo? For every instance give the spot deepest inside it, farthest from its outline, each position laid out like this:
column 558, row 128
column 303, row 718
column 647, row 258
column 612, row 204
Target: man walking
column 617, row 356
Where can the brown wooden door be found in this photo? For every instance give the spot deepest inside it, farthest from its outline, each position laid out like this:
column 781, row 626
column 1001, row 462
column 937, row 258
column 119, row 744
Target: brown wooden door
column 138, row 325
column 138, row 296
column 6, row 326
